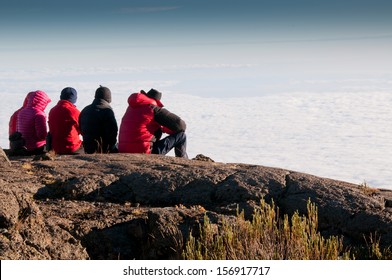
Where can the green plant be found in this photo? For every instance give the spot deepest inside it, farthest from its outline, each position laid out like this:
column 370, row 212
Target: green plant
column 266, row 236
column 374, row 251
column 367, row 189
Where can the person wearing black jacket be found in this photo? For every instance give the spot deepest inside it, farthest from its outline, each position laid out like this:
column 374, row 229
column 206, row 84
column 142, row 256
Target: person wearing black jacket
column 144, row 123
column 98, row 125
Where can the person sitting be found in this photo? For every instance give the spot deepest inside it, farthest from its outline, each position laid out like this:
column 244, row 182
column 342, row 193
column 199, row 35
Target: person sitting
column 143, row 124
column 14, row 117
column 64, row 124
column 98, row 124
column 17, row 143
column 31, row 122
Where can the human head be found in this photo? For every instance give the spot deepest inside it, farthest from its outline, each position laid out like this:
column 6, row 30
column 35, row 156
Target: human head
column 69, row 94
column 38, row 99
column 154, row 94
column 103, row 93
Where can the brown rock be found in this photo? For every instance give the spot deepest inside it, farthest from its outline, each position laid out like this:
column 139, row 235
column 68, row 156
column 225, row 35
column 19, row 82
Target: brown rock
column 4, row 161
column 123, row 206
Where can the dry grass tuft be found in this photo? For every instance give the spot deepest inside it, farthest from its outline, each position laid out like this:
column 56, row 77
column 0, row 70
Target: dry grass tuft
column 368, row 190
column 266, row 237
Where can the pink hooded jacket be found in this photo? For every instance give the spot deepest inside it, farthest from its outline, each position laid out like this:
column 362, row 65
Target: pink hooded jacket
column 14, row 117
column 31, row 121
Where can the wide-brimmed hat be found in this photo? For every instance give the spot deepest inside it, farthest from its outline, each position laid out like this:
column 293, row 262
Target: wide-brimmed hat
column 153, row 93
column 156, row 95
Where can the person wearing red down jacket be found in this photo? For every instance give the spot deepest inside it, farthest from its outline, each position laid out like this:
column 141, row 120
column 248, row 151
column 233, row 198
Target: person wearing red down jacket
column 64, row 124
column 31, row 122
column 143, row 124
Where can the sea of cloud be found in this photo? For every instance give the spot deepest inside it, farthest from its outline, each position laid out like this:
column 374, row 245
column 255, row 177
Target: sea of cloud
column 345, row 135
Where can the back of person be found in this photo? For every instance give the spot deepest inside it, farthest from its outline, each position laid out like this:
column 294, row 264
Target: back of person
column 144, row 123
column 138, row 127
column 98, row 124
column 13, row 121
column 31, row 121
column 14, row 117
column 64, row 123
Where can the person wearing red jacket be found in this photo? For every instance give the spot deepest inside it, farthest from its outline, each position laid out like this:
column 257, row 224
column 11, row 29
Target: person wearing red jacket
column 143, row 124
column 64, row 124
column 31, row 122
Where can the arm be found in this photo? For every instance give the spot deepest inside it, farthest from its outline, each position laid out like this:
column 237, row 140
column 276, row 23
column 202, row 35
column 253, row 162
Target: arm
column 75, row 119
column 40, row 127
column 168, row 120
column 12, row 124
column 111, row 128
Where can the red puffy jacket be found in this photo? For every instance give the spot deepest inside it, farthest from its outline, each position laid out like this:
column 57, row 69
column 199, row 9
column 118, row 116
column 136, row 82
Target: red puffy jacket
column 31, row 120
column 64, row 127
column 138, row 126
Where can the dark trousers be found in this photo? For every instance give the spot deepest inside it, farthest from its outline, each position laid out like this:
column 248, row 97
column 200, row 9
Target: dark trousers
column 176, row 141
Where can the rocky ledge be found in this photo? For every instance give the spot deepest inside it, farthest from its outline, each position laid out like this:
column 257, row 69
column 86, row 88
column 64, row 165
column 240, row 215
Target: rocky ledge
column 131, row 206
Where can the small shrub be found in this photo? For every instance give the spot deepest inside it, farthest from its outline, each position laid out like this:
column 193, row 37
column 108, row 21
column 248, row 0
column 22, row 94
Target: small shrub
column 265, row 237
column 368, row 190
column 372, row 250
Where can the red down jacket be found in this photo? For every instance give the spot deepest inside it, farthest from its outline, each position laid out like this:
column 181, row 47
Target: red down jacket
column 138, row 126
column 31, row 121
column 64, row 127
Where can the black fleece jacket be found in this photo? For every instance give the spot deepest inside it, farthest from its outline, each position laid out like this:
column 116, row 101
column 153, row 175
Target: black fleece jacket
column 165, row 118
column 98, row 127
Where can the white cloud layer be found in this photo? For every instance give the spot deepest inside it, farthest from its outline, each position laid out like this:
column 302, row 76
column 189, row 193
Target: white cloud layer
column 340, row 135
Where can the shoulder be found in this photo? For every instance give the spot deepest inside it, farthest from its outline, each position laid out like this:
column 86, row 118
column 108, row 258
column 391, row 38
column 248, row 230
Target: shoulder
column 34, row 112
column 154, row 108
column 87, row 108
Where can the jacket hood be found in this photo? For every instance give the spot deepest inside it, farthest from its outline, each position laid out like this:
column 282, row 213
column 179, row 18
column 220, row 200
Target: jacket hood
column 26, row 101
column 101, row 103
column 38, row 100
column 140, row 99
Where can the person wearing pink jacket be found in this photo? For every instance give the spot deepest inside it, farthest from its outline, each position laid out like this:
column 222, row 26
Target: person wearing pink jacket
column 14, row 117
column 31, row 122
column 16, row 141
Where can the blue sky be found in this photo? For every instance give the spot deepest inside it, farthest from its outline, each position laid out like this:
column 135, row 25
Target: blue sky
column 105, row 24
column 275, row 40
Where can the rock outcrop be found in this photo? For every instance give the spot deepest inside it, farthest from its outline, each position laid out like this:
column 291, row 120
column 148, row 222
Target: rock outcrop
column 131, row 206
column 4, row 161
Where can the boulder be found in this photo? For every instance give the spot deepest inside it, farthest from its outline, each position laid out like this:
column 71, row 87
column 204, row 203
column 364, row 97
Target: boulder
column 133, row 206
column 4, row 161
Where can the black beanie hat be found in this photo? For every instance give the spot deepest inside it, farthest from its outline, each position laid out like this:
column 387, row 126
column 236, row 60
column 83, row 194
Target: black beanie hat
column 153, row 93
column 103, row 93
column 69, row 94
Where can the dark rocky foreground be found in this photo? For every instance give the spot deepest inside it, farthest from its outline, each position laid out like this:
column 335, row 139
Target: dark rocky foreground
column 124, row 206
